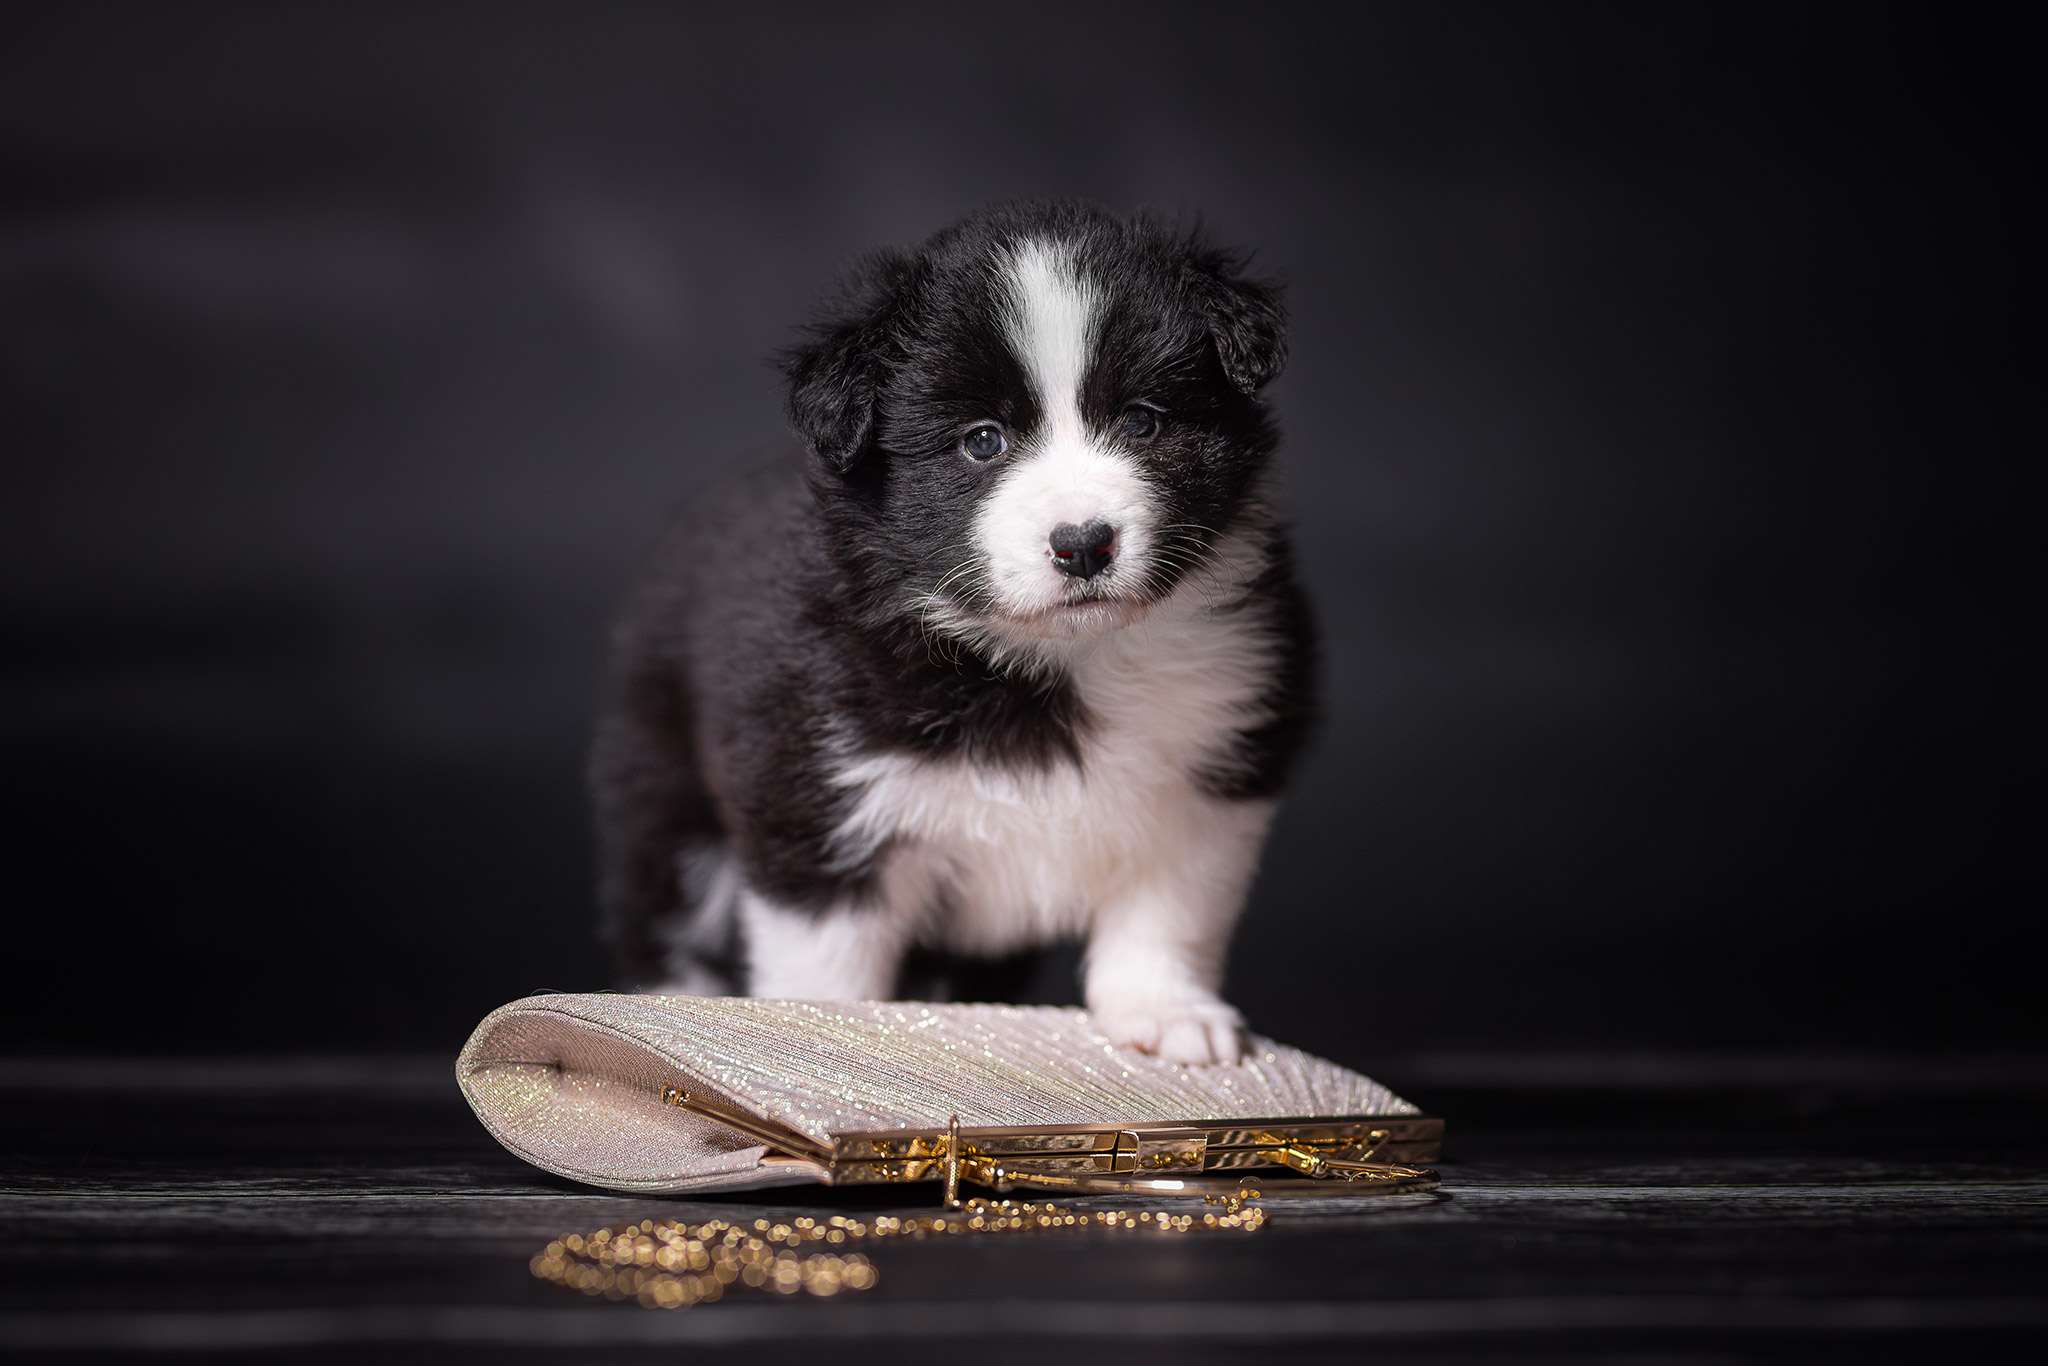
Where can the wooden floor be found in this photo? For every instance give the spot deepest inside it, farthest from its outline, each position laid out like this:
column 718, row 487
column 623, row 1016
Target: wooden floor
column 1641, row 1208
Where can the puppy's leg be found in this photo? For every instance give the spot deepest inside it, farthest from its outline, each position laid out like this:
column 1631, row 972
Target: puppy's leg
column 1156, row 953
column 847, row 953
column 651, row 806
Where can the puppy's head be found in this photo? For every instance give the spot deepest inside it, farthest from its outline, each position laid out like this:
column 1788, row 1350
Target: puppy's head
column 1040, row 422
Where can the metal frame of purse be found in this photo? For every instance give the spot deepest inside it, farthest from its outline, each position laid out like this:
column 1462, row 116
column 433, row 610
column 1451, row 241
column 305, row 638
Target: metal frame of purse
column 1157, row 1158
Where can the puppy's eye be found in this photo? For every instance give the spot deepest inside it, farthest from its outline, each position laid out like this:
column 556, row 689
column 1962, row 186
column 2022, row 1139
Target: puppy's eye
column 1138, row 423
column 985, row 442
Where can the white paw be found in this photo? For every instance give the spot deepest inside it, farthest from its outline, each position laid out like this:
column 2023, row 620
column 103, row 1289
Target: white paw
column 1196, row 1031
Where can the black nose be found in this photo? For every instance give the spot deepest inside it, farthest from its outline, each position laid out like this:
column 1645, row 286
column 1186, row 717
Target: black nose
column 1083, row 551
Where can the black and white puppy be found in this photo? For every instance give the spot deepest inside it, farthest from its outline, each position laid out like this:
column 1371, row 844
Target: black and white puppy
column 1012, row 655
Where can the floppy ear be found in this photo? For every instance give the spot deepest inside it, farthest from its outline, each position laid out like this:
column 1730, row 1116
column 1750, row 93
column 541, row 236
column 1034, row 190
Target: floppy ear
column 835, row 378
column 1246, row 319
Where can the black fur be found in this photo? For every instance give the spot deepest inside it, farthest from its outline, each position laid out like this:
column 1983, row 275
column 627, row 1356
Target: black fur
column 780, row 599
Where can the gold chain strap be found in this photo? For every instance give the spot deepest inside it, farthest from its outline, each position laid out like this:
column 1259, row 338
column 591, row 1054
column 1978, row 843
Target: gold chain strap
column 666, row 1264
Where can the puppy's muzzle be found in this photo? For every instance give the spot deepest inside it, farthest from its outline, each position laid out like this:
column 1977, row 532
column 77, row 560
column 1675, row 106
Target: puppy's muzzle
column 1082, row 552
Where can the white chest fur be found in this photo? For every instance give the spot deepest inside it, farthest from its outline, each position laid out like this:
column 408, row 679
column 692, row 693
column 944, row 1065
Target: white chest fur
column 988, row 859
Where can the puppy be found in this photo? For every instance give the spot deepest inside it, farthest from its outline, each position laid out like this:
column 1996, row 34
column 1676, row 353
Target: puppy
column 1011, row 654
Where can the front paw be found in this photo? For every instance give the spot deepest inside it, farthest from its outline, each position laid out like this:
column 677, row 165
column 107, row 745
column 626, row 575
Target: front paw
column 1195, row 1031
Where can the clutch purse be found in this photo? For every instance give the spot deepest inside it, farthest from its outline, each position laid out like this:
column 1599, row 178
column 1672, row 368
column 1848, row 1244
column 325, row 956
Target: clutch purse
column 687, row 1093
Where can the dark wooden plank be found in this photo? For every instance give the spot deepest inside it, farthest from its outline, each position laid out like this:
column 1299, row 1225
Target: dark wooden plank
column 327, row 1206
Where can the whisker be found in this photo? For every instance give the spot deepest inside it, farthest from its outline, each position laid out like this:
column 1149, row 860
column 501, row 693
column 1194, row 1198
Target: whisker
column 1191, row 556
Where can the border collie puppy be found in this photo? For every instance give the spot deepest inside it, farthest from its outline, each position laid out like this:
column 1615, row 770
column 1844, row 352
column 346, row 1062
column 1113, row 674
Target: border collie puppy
column 1012, row 654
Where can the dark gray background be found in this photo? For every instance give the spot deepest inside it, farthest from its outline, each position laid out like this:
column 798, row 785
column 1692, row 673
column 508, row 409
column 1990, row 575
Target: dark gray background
column 1653, row 435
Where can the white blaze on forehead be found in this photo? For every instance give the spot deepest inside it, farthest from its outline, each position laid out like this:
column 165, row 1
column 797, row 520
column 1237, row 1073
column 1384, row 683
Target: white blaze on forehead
column 1050, row 325
column 1059, row 473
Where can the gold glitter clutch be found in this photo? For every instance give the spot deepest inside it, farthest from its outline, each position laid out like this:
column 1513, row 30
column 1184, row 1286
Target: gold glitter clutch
column 688, row 1093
